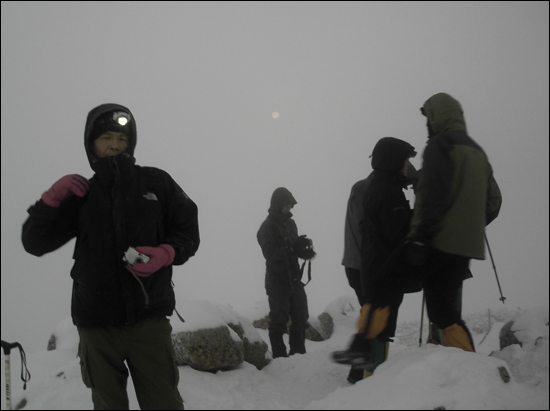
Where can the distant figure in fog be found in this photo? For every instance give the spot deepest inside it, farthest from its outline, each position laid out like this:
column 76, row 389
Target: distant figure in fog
column 281, row 247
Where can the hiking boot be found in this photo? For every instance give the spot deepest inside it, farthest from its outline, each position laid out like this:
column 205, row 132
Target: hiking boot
column 355, row 358
column 355, row 374
column 278, row 347
column 296, row 341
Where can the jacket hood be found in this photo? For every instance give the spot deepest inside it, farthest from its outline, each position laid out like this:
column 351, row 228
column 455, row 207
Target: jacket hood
column 104, row 118
column 444, row 113
column 390, row 153
column 281, row 197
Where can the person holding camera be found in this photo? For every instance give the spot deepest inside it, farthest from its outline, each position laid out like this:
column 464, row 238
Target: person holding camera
column 281, row 247
column 131, row 224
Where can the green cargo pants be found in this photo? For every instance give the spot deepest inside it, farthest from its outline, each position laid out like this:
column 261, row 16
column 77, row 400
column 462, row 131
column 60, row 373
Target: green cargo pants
column 147, row 350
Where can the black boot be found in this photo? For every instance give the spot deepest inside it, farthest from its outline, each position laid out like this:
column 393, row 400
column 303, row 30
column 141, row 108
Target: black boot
column 278, row 347
column 355, row 374
column 357, row 354
column 297, row 342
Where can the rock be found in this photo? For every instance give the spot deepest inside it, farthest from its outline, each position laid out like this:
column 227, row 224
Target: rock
column 313, row 334
column 216, row 337
column 326, row 325
column 507, row 336
column 52, row 343
column 262, row 323
column 504, row 374
column 208, row 349
column 254, row 351
column 64, row 337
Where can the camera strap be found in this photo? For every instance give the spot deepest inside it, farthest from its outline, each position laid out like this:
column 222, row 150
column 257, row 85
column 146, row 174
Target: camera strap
column 146, row 296
column 175, row 309
column 308, row 271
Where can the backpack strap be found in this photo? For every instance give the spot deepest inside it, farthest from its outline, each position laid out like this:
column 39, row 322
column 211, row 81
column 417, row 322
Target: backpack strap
column 308, row 271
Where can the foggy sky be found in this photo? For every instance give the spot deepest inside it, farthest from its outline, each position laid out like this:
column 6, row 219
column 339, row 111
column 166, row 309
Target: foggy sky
column 203, row 79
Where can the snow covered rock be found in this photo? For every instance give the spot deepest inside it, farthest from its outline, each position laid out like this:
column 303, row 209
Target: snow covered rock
column 528, row 357
column 64, row 337
column 208, row 349
column 215, row 337
column 254, row 351
column 507, row 336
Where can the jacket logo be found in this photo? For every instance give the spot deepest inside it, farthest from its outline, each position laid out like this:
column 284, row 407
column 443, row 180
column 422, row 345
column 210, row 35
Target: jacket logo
column 151, row 196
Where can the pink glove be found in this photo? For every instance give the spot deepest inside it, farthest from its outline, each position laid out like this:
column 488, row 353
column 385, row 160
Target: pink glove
column 161, row 256
column 71, row 184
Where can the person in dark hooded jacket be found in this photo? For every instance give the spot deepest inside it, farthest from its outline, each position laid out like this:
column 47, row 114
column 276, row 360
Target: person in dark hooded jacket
column 119, row 308
column 281, row 247
column 383, row 225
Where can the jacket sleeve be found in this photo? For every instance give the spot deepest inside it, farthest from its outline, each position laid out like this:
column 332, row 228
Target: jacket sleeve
column 494, row 200
column 181, row 223
column 273, row 252
column 48, row 228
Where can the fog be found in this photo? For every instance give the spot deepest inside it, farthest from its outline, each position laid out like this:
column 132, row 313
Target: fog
column 203, row 80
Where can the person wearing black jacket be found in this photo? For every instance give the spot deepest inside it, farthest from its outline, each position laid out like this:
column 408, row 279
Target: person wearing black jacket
column 281, row 247
column 120, row 307
column 383, row 225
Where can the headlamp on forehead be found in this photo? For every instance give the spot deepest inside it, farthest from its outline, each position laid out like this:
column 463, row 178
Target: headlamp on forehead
column 121, row 118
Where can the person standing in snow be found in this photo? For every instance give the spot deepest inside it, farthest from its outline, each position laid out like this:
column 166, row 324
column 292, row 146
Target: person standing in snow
column 382, row 224
column 352, row 252
column 281, row 247
column 120, row 309
column 457, row 197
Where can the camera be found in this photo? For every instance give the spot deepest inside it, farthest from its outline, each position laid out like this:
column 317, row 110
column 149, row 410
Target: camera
column 132, row 256
column 303, row 246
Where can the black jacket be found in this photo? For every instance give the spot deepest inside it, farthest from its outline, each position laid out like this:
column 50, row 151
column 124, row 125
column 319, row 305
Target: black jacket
column 386, row 212
column 126, row 205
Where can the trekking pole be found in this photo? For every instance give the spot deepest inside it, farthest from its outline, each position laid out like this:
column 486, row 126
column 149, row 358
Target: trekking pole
column 502, row 298
column 422, row 318
column 6, row 346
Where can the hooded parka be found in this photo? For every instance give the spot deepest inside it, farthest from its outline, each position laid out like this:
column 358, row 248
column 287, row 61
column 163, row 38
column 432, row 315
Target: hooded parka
column 276, row 236
column 457, row 195
column 286, row 295
column 126, row 205
column 386, row 212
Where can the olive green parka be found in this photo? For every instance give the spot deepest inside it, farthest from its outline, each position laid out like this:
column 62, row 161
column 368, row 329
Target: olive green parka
column 457, row 195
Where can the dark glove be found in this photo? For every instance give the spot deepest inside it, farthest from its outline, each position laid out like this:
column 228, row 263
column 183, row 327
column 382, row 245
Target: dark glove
column 412, row 177
column 161, row 256
column 65, row 187
column 303, row 247
column 416, row 252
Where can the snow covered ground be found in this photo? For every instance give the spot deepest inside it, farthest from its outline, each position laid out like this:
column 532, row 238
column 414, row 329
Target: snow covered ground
column 414, row 377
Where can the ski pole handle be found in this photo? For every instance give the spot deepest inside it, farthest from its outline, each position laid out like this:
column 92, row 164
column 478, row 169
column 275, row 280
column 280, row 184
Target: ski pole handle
column 6, row 346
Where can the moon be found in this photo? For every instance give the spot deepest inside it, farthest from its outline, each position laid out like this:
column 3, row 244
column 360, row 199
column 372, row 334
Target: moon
column 275, row 114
